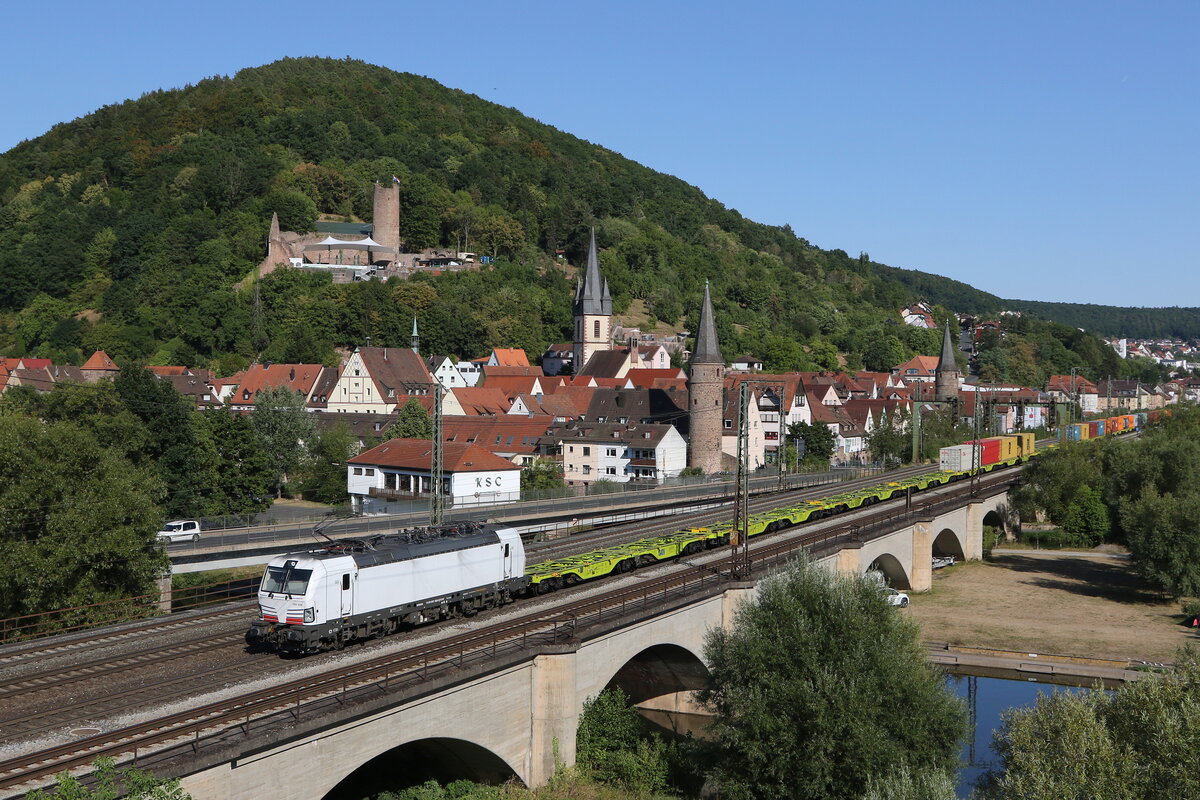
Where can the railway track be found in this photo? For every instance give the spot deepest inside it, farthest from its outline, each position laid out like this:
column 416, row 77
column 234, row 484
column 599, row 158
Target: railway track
column 683, row 579
column 165, row 690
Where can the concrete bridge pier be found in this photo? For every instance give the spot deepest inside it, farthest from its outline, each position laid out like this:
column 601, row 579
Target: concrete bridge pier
column 555, row 714
column 921, row 574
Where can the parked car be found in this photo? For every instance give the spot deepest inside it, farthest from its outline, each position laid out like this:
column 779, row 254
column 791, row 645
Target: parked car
column 895, row 598
column 943, row 561
column 180, row 530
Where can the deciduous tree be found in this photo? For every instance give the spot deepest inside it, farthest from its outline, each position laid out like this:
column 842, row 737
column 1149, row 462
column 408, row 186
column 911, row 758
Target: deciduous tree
column 818, row 687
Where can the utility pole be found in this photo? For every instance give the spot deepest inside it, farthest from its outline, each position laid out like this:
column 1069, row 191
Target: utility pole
column 437, row 501
column 739, row 537
column 916, row 433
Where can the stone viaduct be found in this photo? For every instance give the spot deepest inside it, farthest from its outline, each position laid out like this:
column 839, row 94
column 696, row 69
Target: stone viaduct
column 519, row 719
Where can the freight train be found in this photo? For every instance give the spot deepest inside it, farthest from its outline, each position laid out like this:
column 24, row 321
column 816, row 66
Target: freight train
column 357, row 589
column 1111, row 426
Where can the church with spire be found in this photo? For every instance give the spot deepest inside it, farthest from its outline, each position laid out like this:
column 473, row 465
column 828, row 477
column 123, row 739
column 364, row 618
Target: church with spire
column 592, row 310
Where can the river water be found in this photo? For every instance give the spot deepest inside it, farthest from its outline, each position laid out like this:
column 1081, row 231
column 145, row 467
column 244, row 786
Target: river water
column 986, row 699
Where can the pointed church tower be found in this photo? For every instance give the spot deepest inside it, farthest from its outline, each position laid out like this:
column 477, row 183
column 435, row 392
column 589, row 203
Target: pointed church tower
column 947, row 376
column 593, row 311
column 415, row 342
column 706, row 384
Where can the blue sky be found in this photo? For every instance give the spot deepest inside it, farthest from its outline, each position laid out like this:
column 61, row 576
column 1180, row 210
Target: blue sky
column 1035, row 150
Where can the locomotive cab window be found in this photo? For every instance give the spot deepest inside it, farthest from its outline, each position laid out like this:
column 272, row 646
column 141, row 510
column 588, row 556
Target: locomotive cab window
column 345, row 582
column 506, row 550
column 286, row 580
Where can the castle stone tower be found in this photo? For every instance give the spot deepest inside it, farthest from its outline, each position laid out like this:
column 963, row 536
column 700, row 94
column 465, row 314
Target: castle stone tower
column 277, row 250
column 947, row 376
column 593, row 312
column 386, row 216
column 706, row 383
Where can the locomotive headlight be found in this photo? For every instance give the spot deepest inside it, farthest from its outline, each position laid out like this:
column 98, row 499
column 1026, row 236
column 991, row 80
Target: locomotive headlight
column 310, row 615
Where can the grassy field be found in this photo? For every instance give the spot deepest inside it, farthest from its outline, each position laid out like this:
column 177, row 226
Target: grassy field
column 1071, row 605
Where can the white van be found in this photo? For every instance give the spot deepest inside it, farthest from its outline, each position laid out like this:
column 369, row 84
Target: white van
column 180, row 530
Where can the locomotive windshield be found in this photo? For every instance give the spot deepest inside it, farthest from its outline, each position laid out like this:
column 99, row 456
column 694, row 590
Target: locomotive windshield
column 286, row 580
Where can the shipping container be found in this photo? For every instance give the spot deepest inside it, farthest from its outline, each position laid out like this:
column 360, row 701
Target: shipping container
column 1026, row 443
column 1083, row 431
column 958, row 458
column 989, row 450
column 1010, row 447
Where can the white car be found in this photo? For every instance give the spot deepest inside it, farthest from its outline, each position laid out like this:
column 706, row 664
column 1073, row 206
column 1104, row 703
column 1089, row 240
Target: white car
column 895, row 598
column 180, row 530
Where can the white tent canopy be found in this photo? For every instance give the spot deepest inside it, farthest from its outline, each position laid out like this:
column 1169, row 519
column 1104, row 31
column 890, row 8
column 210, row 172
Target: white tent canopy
column 330, row 243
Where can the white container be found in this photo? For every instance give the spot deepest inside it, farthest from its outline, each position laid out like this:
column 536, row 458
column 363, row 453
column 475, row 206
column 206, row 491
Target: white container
column 959, row 457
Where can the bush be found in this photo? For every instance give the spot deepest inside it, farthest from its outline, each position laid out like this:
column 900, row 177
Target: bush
column 1056, row 539
column 612, row 747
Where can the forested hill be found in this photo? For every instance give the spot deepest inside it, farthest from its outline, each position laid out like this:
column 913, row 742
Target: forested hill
column 134, row 229
column 1135, row 323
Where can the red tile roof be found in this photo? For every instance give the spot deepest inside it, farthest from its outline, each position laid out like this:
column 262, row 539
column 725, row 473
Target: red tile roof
column 417, row 454
column 100, row 361
column 257, row 377
column 511, row 357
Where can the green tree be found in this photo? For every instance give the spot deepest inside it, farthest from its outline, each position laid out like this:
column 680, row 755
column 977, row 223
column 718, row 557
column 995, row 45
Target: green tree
column 818, row 441
column 1087, row 516
column 541, row 474
column 612, row 746
column 1138, row 742
column 242, row 475
column 78, row 519
column 807, row 687
column 282, row 426
column 890, row 441
column 323, row 477
column 173, row 447
column 413, row 422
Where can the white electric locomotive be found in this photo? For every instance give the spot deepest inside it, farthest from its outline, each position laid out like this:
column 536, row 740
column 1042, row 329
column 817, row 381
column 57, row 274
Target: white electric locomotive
column 355, row 589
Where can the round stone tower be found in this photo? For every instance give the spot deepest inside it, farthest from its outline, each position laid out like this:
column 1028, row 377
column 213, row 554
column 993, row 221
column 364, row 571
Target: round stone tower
column 386, row 217
column 946, row 377
column 706, row 384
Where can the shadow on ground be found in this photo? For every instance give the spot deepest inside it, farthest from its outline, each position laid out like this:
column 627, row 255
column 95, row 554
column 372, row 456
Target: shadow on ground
column 1111, row 580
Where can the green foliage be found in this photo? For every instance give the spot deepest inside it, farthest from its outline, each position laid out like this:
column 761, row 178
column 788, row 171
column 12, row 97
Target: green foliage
column 1137, row 742
column 282, row 426
column 413, row 422
column 691, row 472
column 78, row 518
column 907, row 784
column 174, row 446
column 111, row 783
column 818, row 441
column 890, row 441
column 611, row 746
column 540, row 475
column 322, row 476
column 1087, row 516
column 819, row 686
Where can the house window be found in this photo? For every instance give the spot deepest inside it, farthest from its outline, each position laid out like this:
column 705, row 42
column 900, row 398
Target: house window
column 358, row 470
column 370, row 472
column 587, row 470
column 728, row 423
column 596, row 329
column 610, row 470
column 587, row 451
column 612, row 451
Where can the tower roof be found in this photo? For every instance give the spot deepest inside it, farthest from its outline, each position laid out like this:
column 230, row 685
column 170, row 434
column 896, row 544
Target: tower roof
column 947, row 361
column 707, row 351
column 592, row 296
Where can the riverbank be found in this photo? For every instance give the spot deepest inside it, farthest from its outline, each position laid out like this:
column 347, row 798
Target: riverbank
column 1082, row 604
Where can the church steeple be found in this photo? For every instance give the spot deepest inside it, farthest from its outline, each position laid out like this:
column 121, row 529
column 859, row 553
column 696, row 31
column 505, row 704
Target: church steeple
column 416, row 338
column 593, row 311
column 591, row 295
